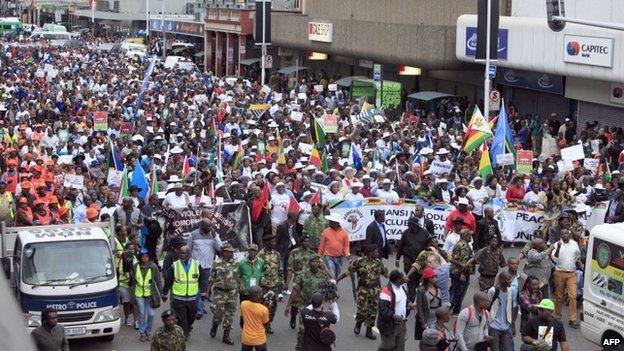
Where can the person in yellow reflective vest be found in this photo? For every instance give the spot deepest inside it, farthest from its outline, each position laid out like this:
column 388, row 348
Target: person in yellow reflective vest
column 125, row 264
column 7, row 205
column 147, row 284
column 182, row 279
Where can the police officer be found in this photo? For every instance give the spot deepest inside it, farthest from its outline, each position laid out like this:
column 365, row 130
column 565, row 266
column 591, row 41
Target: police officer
column 183, row 281
column 272, row 281
column 225, row 283
column 368, row 270
column 305, row 284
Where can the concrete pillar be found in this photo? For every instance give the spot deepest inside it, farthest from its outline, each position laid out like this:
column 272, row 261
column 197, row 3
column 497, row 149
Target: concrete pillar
column 242, row 52
column 229, row 53
column 208, row 52
column 218, row 54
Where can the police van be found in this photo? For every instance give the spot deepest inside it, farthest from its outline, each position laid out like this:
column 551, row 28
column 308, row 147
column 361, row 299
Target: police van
column 602, row 321
column 69, row 268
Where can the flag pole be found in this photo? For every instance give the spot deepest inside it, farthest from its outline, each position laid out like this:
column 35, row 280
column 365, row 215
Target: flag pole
column 486, row 85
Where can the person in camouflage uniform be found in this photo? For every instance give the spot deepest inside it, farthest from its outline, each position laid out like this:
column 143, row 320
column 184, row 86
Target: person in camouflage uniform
column 169, row 337
column 431, row 249
column 225, row 283
column 314, row 226
column 306, row 283
column 297, row 262
column 368, row 270
column 460, row 272
column 272, row 280
column 490, row 259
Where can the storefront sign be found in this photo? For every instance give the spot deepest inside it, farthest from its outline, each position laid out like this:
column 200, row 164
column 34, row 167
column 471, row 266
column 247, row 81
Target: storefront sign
column 593, row 51
column 471, row 42
column 195, row 29
column 318, row 31
column 550, row 83
column 365, row 63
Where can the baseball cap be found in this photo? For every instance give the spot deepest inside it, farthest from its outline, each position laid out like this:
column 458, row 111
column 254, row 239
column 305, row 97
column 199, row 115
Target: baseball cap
column 546, row 304
column 428, row 273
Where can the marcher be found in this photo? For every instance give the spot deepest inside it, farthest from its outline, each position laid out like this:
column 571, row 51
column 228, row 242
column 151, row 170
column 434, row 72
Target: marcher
column 297, row 262
column 272, row 279
column 413, row 241
column 472, row 326
column 566, row 256
column 316, row 333
column 368, row 270
column 255, row 318
column 169, row 337
column 503, row 309
column 50, row 335
column 182, row 279
column 392, row 313
column 490, row 259
column 334, row 245
column 544, row 332
column 148, row 284
column 376, row 234
column 203, row 243
column 224, row 287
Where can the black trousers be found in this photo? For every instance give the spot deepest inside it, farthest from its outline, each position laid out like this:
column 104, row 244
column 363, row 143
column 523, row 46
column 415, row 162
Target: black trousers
column 262, row 347
column 185, row 310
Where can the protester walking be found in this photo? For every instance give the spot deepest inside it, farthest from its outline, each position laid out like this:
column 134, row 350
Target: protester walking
column 255, row 319
column 182, row 279
column 169, row 337
column 50, row 336
column 147, row 284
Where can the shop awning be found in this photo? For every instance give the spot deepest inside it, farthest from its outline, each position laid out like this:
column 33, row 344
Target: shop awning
column 428, row 95
column 292, row 69
column 200, row 54
column 348, row 81
column 249, row 61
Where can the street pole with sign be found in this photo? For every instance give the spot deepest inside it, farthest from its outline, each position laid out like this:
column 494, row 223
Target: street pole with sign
column 162, row 27
column 147, row 18
column 263, row 32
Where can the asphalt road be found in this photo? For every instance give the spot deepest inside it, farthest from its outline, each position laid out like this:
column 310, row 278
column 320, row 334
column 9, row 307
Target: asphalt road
column 284, row 338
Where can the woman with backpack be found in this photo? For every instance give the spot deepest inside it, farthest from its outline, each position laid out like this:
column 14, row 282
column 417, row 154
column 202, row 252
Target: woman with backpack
column 147, row 285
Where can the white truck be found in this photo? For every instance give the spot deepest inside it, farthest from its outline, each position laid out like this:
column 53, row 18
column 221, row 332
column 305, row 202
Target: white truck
column 602, row 321
column 66, row 267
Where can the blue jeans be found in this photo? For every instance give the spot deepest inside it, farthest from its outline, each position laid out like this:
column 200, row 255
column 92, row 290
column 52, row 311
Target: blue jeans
column 204, row 278
column 502, row 340
column 334, row 264
column 146, row 315
column 458, row 291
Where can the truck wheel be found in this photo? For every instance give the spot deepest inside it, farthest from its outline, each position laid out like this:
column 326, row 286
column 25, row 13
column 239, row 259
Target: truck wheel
column 108, row 338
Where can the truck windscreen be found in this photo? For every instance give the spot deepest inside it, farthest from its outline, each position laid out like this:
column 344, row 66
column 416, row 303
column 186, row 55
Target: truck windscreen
column 67, row 262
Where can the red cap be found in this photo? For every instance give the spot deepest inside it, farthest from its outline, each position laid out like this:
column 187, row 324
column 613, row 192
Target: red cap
column 428, row 273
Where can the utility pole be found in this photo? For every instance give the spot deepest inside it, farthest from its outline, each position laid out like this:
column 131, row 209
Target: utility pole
column 162, row 27
column 147, row 18
column 263, row 33
column 486, row 84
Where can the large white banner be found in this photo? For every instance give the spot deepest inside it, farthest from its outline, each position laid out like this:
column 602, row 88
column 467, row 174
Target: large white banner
column 517, row 225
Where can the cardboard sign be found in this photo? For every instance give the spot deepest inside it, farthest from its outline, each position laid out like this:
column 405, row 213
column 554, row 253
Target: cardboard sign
column 330, row 123
column 305, row 148
column 100, row 121
column 318, row 88
column 266, row 90
column 439, row 168
column 302, row 96
column 573, row 153
column 505, row 159
column 524, row 164
column 114, row 177
column 379, row 118
column 126, row 127
column 65, row 160
column 296, row 116
column 591, row 164
column 74, row 181
column 277, row 97
column 332, row 87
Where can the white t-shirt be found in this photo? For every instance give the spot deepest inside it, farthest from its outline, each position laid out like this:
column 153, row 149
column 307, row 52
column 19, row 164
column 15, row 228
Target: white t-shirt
column 176, row 202
column 478, row 197
column 351, row 196
column 279, row 210
column 451, row 240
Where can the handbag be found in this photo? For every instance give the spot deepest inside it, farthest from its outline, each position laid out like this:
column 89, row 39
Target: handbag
column 155, row 296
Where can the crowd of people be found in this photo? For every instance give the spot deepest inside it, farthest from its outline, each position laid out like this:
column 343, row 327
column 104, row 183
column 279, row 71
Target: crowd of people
column 203, row 141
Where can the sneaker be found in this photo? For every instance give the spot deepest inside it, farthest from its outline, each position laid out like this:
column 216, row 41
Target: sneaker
column 280, row 297
column 128, row 323
column 142, row 338
column 574, row 325
column 286, row 292
column 136, row 325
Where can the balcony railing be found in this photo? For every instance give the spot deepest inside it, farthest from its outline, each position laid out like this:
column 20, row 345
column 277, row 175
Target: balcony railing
column 277, row 5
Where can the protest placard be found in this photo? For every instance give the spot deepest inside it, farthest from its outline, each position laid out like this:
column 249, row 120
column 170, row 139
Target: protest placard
column 591, row 164
column 100, row 120
column 74, row 181
column 305, row 148
column 114, row 177
column 318, row 88
column 572, row 153
column 332, row 87
column 330, row 123
column 524, row 163
column 504, row 159
column 302, row 96
column 126, row 127
column 296, row 116
column 65, row 160
column 439, row 168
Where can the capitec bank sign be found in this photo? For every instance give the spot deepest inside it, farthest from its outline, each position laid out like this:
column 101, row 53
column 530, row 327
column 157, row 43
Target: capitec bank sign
column 583, row 50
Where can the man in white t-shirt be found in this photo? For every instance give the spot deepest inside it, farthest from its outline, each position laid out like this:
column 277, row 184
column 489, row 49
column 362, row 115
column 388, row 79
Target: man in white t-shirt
column 177, row 199
column 355, row 192
column 280, row 201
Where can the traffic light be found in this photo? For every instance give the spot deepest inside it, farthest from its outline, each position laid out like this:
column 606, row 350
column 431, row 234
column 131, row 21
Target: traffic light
column 555, row 8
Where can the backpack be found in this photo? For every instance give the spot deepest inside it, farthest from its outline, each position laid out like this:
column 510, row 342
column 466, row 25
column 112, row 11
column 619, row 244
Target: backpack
column 327, row 336
column 471, row 312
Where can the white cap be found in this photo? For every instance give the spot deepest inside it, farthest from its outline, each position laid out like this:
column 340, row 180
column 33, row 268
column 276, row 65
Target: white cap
column 442, row 151
column 311, row 168
column 441, row 180
column 386, row 181
column 334, row 218
column 137, row 137
column 279, row 184
column 462, row 201
column 599, row 186
column 356, row 185
column 306, row 194
column 226, row 135
column 385, row 135
column 426, row 151
column 176, row 150
column 298, row 165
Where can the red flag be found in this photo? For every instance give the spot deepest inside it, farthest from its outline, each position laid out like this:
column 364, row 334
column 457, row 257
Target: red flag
column 186, row 166
column 316, row 198
column 293, row 207
column 258, row 204
column 259, row 156
column 315, row 157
